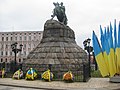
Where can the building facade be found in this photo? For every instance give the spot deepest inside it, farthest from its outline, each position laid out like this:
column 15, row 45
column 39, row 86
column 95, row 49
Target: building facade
column 29, row 40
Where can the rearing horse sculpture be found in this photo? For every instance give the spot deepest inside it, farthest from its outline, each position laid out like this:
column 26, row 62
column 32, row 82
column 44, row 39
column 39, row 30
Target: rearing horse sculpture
column 59, row 12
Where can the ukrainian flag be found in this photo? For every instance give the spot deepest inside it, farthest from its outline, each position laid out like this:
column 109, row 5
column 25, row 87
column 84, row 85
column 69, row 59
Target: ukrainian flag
column 118, row 51
column 103, row 43
column 115, row 35
column 99, row 56
column 115, row 45
column 111, row 54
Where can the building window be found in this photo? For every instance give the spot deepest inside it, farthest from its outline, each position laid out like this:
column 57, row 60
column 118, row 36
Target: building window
column 20, row 38
column 6, row 38
column 6, row 46
column 10, row 59
column 6, row 53
column 2, row 38
column 25, row 46
column 24, row 37
column 34, row 38
column 1, row 53
column 29, row 45
column 29, row 37
column 2, row 46
column 1, row 60
column 6, row 60
column 16, row 38
column 19, row 60
column 11, row 38
column 10, row 53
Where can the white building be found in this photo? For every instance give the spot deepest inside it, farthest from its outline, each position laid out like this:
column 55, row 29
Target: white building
column 29, row 40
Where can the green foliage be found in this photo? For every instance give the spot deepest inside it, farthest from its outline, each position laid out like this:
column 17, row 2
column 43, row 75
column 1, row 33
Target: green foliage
column 96, row 73
column 9, row 75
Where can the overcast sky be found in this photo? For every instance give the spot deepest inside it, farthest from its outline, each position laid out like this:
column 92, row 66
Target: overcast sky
column 84, row 16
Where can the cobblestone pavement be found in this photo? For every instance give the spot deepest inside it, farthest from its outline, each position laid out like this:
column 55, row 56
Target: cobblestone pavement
column 92, row 84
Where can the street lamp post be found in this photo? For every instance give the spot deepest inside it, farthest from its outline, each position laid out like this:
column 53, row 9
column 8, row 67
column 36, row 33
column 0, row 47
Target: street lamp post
column 16, row 50
column 89, row 49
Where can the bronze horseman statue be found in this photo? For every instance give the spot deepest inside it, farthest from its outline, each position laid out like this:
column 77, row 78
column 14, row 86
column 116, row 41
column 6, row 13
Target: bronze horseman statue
column 59, row 12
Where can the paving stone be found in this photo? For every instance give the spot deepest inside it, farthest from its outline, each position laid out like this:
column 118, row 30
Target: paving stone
column 92, row 84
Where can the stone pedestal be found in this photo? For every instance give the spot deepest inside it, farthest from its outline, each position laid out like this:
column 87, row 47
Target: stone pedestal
column 57, row 46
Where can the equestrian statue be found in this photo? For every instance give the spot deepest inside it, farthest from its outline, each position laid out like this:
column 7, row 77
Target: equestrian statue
column 59, row 12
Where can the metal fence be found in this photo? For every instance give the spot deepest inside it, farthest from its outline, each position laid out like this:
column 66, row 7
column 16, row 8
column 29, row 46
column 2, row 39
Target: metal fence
column 80, row 71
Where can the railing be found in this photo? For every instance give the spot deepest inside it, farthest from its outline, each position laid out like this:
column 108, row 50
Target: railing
column 86, row 73
column 80, row 71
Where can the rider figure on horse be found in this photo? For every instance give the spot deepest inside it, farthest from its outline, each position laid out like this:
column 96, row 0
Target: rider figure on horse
column 59, row 11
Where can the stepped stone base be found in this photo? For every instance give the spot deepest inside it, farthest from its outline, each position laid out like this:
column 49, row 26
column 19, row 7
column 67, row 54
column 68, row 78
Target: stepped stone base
column 57, row 46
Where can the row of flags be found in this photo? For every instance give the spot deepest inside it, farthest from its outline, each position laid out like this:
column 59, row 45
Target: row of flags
column 107, row 50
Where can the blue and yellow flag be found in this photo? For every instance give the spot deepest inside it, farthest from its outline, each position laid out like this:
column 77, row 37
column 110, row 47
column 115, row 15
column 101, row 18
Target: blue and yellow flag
column 110, row 43
column 99, row 56
column 118, row 51
column 115, row 35
column 115, row 45
column 111, row 54
column 103, row 43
